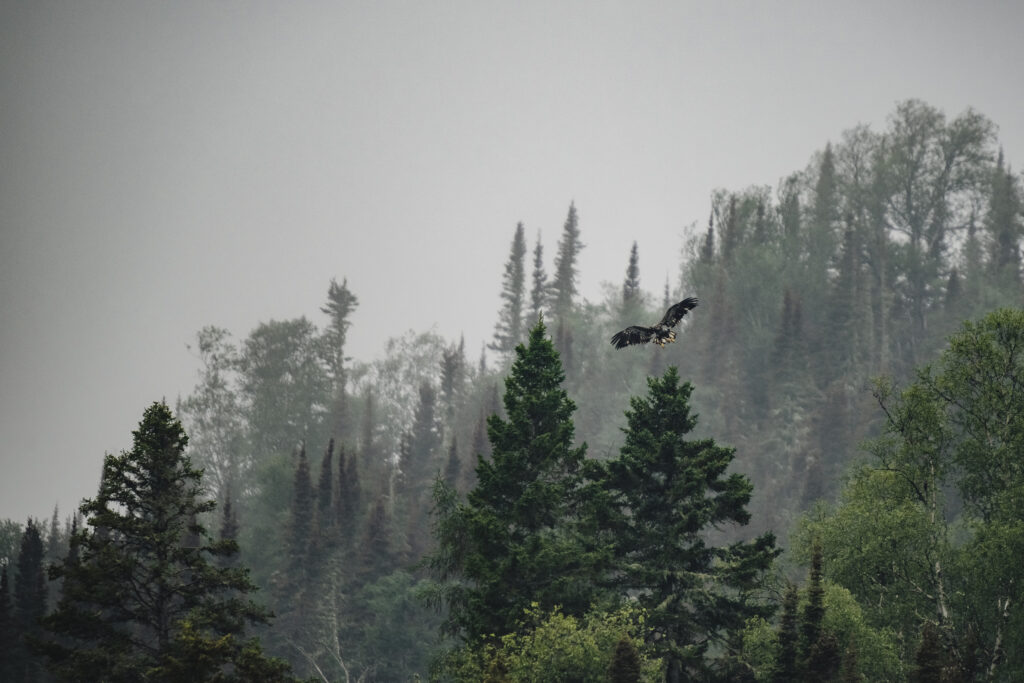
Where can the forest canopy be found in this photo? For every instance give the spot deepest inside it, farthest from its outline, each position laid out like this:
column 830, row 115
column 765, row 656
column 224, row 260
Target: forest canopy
column 846, row 394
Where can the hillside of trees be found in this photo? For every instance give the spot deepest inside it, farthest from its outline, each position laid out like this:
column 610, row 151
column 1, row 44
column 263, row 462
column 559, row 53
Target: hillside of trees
column 821, row 480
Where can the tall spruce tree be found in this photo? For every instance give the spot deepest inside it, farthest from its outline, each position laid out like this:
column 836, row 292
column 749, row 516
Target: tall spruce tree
column 814, row 611
column 510, row 543
column 1004, row 223
column 139, row 603
column 8, row 634
column 508, row 331
column 786, row 665
column 539, row 289
column 341, row 302
column 453, row 377
column 631, row 285
column 653, row 505
column 29, row 602
column 346, row 502
column 563, row 288
column 325, row 492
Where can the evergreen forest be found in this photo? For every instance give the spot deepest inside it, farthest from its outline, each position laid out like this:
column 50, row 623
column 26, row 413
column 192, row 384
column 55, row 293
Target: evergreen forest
column 822, row 479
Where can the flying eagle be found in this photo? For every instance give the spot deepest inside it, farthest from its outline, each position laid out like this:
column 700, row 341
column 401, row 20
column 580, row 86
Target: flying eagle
column 661, row 333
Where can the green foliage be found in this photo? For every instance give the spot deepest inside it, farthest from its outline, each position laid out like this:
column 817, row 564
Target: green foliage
column 8, row 633
column 510, row 543
column 625, row 666
column 651, row 507
column 142, row 598
column 213, row 413
column 552, row 646
column 29, row 604
column 563, row 286
column 860, row 263
column 508, row 332
column 539, row 283
column 844, row 623
column 395, row 633
column 285, row 386
column 926, row 532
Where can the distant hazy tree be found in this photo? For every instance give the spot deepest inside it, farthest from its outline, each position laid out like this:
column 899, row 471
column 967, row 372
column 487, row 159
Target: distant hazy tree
column 631, row 294
column 707, row 245
column 539, row 290
column 563, row 287
column 1005, row 223
column 453, row 377
column 341, row 303
column 377, row 554
column 140, row 602
column 934, row 172
column 300, row 519
column 346, row 505
column 228, row 530
column 419, row 468
column 509, row 329
column 823, row 226
column 286, row 386
column 453, row 465
column 325, row 493
column 214, row 415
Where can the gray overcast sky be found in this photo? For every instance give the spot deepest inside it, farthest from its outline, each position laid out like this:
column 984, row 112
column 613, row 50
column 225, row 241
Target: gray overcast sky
column 168, row 165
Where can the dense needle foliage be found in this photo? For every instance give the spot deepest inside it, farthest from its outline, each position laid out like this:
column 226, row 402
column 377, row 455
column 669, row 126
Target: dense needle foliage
column 859, row 266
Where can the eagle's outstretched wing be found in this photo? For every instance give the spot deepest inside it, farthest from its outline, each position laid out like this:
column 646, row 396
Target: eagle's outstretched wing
column 632, row 335
column 676, row 312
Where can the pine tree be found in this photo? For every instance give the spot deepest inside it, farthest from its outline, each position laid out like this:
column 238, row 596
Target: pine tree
column 930, row 660
column 419, row 466
column 453, row 466
column 824, row 660
column 539, row 291
column 509, row 329
column 851, row 669
column 789, row 638
column 341, row 303
column 453, row 377
column 707, row 247
column 656, row 501
column 300, row 524
column 347, row 501
column 228, row 531
column 814, row 611
column 56, row 548
column 509, row 544
column 631, row 293
column 625, row 665
column 377, row 556
column 823, row 224
column 8, row 635
column 418, row 471
column 563, row 287
column 1003, row 221
column 370, row 451
column 325, row 492
column 29, row 601
column 138, row 603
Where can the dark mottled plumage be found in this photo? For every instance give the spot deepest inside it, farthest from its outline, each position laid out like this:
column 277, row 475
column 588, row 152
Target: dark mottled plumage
column 661, row 333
